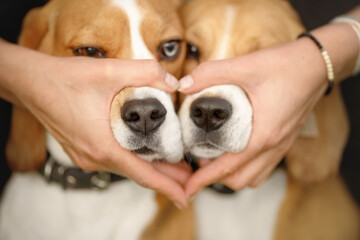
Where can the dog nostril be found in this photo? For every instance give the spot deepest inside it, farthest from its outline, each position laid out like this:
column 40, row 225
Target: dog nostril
column 143, row 115
column 220, row 114
column 133, row 117
column 156, row 114
column 198, row 112
column 210, row 113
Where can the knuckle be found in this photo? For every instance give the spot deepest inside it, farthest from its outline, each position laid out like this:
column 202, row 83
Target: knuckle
column 146, row 184
column 84, row 164
column 235, row 185
column 154, row 69
column 95, row 154
column 274, row 140
column 107, row 68
column 203, row 67
column 226, row 170
column 93, row 159
column 255, row 184
column 282, row 149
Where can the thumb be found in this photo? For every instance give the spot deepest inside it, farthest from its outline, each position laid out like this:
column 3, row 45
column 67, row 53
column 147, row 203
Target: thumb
column 139, row 73
column 211, row 73
column 146, row 175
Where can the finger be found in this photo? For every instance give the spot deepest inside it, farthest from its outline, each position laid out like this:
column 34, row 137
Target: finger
column 266, row 161
column 236, row 181
column 211, row 73
column 180, row 172
column 82, row 161
column 151, row 178
column 131, row 166
column 243, row 176
column 221, row 167
column 203, row 162
column 146, row 175
column 141, row 73
column 215, row 170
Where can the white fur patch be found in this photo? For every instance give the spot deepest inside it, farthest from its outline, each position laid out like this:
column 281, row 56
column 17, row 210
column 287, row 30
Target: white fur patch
column 233, row 136
column 138, row 46
column 310, row 128
column 222, row 47
column 166, row 141
column 57, row 152
column 246, row 215
column 33, row 209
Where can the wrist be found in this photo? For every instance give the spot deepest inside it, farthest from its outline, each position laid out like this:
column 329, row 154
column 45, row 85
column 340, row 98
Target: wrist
column 313, row 68
column 8, row 70
column 342, row 44
column 326, row 58
column 18, row 72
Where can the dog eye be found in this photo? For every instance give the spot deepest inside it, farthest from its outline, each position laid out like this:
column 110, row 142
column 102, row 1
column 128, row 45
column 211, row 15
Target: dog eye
column 170, row 50
column 90, row 52
column 192, row 52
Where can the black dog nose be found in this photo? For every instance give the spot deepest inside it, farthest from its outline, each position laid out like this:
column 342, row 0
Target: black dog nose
column 210, row 113
column 143, row 115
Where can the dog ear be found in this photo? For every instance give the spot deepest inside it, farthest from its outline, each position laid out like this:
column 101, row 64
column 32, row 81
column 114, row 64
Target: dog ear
column 34, row 28
column 316, row 157
column 26, row 146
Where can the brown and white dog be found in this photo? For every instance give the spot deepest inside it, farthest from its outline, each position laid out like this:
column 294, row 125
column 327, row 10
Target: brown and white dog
column 219, row 119
column 31, row 208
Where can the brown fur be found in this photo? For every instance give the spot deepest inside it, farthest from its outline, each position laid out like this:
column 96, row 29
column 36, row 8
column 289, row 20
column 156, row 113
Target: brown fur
column 322, row 211
column 256, row 27
column 312, row 160
column 119, row 101
column 171, row 223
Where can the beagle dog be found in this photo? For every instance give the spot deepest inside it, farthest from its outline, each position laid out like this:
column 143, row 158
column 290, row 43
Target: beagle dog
column 142, row 119
column 288, row 205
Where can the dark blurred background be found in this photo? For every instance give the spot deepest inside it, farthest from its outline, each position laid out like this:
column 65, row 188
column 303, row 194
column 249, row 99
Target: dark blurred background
column 314, row 13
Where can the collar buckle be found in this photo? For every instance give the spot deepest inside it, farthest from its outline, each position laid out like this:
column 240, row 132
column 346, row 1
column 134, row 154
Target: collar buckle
column 101, row 180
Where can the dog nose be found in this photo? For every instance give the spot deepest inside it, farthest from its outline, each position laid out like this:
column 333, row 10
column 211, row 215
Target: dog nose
column 210, row 113
column 143, row 115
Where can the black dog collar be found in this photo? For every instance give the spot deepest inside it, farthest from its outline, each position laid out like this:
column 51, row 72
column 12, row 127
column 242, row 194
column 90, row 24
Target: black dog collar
column 76, row 178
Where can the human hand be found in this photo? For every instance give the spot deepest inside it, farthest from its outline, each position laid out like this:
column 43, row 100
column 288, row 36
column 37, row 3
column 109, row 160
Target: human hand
column 75, row 109
column 283, row 84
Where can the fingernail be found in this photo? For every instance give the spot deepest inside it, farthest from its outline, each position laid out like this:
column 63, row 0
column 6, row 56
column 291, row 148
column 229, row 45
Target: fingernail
column 178, row 206
column 171, row 82
column 185, row 83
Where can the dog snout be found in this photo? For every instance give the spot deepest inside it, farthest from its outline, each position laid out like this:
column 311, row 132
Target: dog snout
column 210, row 113
column 143, row 115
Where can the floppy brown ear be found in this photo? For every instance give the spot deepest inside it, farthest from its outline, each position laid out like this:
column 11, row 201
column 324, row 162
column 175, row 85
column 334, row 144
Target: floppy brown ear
column 26, row 146
column 315, row 159
column 34, row 28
